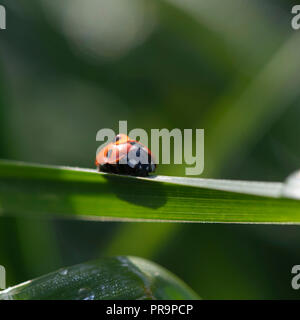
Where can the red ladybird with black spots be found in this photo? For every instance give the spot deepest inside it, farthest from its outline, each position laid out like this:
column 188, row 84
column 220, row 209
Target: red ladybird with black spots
column 125, row 156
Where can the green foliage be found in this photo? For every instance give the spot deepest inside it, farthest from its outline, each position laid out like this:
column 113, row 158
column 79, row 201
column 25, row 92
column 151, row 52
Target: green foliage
column 31, row 190
column 191, row 65
column 118, row 278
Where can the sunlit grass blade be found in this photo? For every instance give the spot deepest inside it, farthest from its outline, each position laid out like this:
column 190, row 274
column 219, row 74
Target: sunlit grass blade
column 35, row 190
column 118, row 278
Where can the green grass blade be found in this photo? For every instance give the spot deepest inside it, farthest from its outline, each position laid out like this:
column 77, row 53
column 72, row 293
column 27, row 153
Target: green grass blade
column 118, row 278
column 35, row 190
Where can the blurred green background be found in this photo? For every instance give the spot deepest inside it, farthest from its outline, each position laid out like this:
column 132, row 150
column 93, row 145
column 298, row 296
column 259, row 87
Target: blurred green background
column 69, row 68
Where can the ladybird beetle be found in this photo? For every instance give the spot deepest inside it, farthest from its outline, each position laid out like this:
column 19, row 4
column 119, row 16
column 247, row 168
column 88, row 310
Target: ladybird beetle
column 125, row 156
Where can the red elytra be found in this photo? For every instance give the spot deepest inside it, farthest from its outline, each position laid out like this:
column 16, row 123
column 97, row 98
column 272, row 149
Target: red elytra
column 112, row 158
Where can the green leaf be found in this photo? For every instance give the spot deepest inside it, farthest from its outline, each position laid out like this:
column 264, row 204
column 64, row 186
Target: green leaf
column 117, row 278
column 35, row 190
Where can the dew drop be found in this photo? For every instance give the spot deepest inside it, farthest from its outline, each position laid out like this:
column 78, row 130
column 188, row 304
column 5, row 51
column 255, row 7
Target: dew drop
column 64, row 272
column 86, row 294
column 90, row 297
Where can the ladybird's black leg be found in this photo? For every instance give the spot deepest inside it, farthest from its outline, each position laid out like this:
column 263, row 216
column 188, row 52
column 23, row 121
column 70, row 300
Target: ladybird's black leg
column 125, row 169
column 144, row 173
column 118, row 168
column 139, row 170
column 105, row 167
column 114, row 168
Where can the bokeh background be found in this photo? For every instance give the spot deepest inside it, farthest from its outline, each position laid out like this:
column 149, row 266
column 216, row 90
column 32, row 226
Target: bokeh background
column 69, row 68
